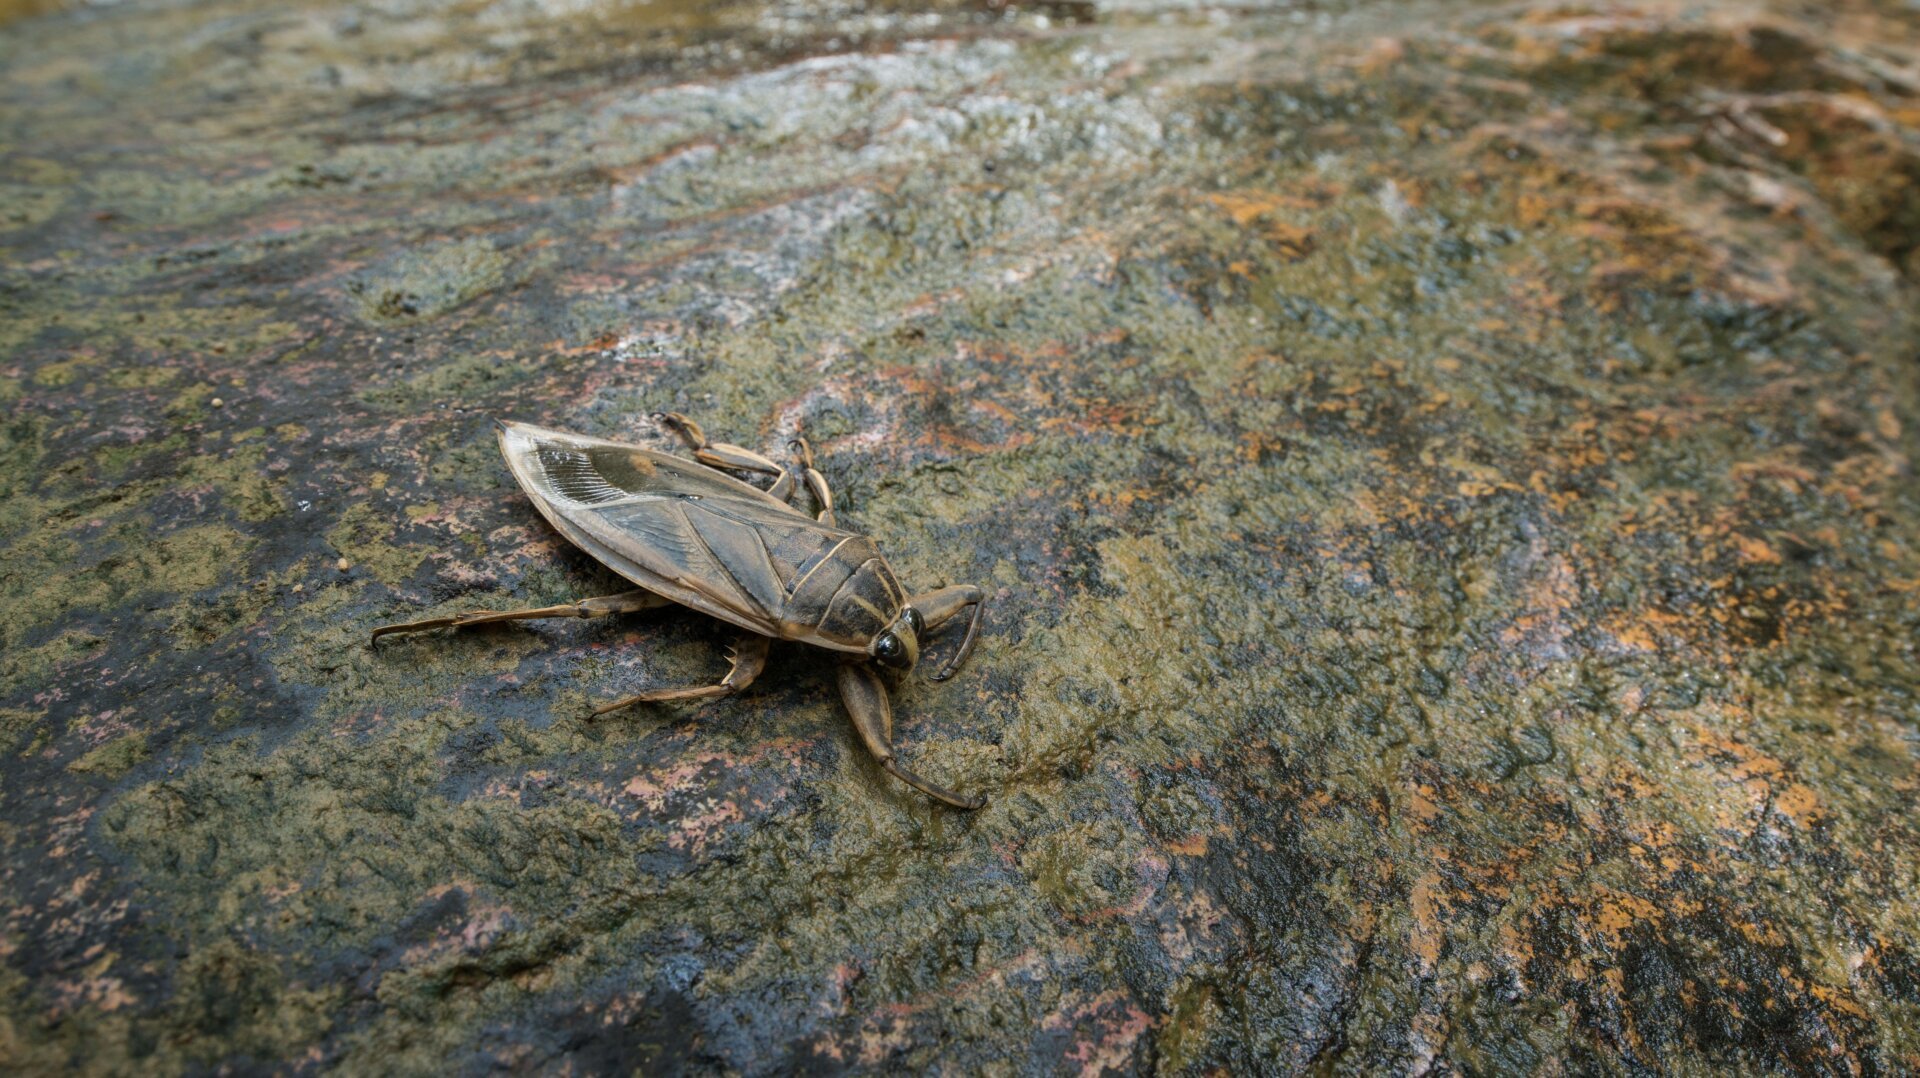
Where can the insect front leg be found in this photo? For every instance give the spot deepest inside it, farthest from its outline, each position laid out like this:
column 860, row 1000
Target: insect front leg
column 624, row 603
column 866, row 697
column 938, row 607
column 723, row 456
column 749, row 658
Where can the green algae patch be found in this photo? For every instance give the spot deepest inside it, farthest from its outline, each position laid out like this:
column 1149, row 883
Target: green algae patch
column 132, row 565
column 21, row 729
column 365, row 538
column 360, row 853
column 425, row 283
column 65, row 373
column 242, row 478
column 188, row 560
column 1085, row 872
column 145, row 376
column 115, row 758
column 191, row 403
column 37, row 664
column 115, row 459
column 460, row 379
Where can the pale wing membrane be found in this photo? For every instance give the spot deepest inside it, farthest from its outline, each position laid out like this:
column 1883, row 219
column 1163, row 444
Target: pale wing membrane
column 571, row 475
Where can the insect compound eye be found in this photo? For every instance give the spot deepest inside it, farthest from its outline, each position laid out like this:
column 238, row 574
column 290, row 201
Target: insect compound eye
column 888, row 649
column 919, row 623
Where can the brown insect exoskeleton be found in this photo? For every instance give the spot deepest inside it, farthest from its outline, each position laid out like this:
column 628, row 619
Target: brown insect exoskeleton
column 693, row 535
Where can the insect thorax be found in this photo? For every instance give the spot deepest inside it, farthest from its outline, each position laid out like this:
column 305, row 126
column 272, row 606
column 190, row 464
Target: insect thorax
column 847, row 597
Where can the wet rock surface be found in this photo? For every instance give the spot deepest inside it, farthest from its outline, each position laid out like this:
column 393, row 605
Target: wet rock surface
column 1443, row 473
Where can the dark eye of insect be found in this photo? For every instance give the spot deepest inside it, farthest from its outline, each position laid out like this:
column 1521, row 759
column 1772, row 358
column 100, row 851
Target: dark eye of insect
column 887, row 647
column 919, row 623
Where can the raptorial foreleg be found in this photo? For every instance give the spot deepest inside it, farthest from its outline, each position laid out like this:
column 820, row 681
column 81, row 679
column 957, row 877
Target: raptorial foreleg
column 938, row 607
column 866, row 697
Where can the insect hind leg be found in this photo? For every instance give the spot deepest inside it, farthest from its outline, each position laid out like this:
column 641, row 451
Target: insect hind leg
column 624, row 603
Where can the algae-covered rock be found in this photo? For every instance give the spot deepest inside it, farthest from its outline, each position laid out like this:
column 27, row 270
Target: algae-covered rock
column 1442, row 474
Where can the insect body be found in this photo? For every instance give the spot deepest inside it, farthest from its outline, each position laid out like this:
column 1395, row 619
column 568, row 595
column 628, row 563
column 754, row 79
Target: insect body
column 690, row 534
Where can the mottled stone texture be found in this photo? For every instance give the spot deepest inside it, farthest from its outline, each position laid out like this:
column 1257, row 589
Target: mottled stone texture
column 1443, row 473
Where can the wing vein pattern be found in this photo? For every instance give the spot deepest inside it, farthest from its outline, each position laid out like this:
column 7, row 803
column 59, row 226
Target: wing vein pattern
column 701, row 538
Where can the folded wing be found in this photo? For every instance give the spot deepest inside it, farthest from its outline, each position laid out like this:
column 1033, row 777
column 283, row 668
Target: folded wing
column 672, row 526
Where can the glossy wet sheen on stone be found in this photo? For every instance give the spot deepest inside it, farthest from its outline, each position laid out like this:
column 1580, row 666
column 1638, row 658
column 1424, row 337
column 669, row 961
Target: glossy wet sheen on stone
column 1443, row 474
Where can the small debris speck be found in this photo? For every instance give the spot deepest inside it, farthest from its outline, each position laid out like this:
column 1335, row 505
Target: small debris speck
column 343, row 565
column 217, row 402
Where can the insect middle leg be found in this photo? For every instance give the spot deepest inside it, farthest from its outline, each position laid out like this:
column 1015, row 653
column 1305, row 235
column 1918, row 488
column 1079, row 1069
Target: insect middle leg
column 816, row 483
column 624, row 603
column 938, row 607
column 866, row 697
column 723, row 456
column 749, row 658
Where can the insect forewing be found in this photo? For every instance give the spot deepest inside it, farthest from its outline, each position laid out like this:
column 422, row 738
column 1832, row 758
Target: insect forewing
column 674, row 527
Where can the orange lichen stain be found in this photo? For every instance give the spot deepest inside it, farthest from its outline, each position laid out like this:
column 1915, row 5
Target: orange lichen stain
column 1551, row 595
column 1765, row 781
column 1382, row 53
column 1291, row 241
column 605, row 342
column 1428, row 933
column 1422, row 806
column 1199, row 917
column 1256, row 446
column 104, row 994
column 1616, row 981
column 1533, row 209
column 653, row 790
column 1619, row 911
column 1635, row 637
column 1194, row 845
column 1247, row 206
column 876, row 1045
column 1799, row 803
column 1514, row 947
column 1244, row 208
column 1837, row 999
column 1887, row 425
column 1119, row 499
column 1764, row 935
column 1755, row 550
